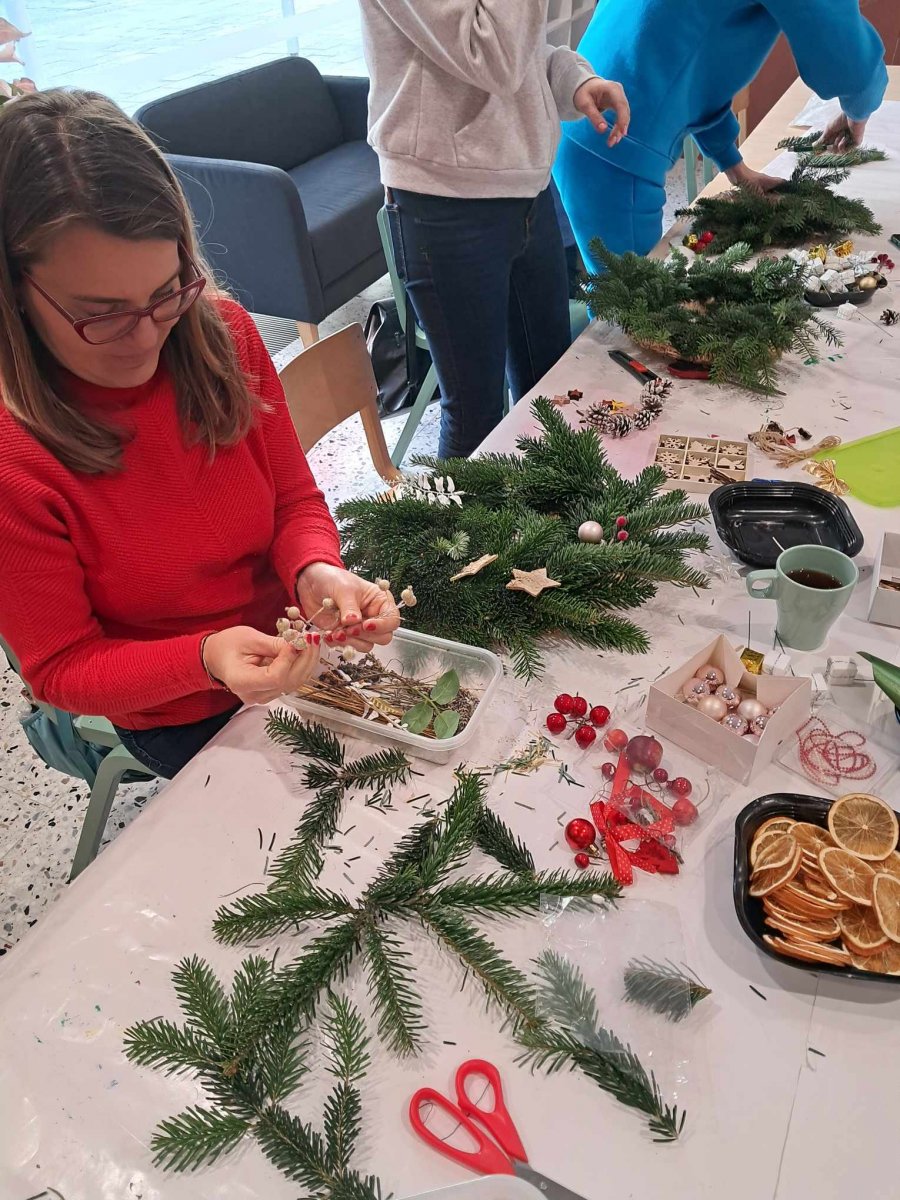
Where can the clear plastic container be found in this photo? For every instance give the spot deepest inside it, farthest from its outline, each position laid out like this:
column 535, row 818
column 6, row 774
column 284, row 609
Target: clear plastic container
column 425, row 657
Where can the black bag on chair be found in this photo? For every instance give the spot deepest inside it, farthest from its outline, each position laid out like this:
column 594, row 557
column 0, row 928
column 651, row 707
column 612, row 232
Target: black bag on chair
column 400, row 366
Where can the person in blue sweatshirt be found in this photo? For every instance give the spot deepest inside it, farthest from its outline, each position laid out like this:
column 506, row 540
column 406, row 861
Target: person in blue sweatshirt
column 681, row 62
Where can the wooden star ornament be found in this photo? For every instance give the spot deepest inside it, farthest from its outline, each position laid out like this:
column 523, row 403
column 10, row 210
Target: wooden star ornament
column 532, row 582
column 474, row 567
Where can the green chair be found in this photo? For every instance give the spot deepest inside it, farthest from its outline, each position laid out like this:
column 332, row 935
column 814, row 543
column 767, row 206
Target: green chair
column 708, row 169
column 578, row 315
column 103, row 782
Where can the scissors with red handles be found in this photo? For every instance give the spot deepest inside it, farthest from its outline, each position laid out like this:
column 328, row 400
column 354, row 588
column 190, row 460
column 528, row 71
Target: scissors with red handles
column 500, row 1154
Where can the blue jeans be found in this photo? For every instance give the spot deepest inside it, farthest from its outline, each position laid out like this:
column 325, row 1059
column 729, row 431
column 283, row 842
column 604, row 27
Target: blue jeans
column 168, row 748
column 487, row 281
column 602, row 201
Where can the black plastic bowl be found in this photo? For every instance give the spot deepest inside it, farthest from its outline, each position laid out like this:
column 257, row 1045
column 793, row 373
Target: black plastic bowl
column 750, row 516
column 749, row 910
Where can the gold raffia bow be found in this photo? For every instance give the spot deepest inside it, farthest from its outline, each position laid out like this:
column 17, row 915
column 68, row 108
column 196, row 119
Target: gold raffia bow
column 844, row 249
column 826, row 477
column 818, row 252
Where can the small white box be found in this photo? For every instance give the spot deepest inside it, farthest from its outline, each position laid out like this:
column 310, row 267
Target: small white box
column 739, row 757
column 884, row 605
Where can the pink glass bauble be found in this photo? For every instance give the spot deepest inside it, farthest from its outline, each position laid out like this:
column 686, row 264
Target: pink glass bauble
column 758, row 724
column 751, row 708
column 736, row 724
column 730, row 695
column 695, row 689
column 712, row 675
column 712, row 706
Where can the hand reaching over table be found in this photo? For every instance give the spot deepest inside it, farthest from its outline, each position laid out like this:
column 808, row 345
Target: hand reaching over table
column 362, row 615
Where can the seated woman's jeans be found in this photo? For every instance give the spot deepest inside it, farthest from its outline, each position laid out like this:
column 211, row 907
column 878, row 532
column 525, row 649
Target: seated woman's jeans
column 487, row 281
column 168, row 748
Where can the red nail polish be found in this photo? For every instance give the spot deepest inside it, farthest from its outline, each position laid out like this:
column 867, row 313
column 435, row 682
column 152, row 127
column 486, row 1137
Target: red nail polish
column 370, row 626
column 329, row 638
column 340, row 636
column 317, row 637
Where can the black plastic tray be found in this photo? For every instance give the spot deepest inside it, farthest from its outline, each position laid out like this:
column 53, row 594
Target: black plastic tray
column 749, row 516
column 749, row 910
column 835, row 299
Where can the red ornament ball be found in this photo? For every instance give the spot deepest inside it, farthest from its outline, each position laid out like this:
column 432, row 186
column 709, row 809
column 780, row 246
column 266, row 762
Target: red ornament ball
column 556, row 722
column 616, row 739
column 579, row 706
column 599, row 715
column 706, row 236
column 563, row 703
column 608, row 770
column 585, row 735
column 582, row 861
column 680, row 786
column 580, row 834
column 661, row 775
column 644, row 753
column 622, row 535
column 621, row 522
column 684, row 812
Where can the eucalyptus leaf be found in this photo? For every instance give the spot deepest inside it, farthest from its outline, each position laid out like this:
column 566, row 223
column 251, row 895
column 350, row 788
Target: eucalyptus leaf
column 446, row 689
column 446, row 724
column 418, row 718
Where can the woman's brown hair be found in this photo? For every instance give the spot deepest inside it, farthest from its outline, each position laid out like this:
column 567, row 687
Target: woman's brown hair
column 74, row 157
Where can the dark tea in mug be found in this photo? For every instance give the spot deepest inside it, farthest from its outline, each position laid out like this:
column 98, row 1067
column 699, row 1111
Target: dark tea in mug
column 814, row 579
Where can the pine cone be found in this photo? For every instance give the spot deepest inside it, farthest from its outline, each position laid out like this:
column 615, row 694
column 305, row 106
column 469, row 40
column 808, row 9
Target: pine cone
column 644, row 418
column 653, row 404
column 620, row 426
column 657, row 387
column 889, row 317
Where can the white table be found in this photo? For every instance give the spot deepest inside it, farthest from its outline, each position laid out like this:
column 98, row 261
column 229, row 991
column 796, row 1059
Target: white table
column 766, row 1118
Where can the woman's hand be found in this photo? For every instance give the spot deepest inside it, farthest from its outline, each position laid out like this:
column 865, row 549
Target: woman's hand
column 842, row 134
column 363, row 615
column 257, row 667
column 749, row 180
column 595, row 97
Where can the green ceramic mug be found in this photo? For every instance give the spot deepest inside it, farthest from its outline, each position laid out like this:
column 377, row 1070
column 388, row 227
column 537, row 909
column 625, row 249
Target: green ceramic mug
column 810, row 603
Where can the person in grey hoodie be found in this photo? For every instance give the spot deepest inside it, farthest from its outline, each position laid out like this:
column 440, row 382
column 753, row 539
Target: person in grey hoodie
column 464, row 112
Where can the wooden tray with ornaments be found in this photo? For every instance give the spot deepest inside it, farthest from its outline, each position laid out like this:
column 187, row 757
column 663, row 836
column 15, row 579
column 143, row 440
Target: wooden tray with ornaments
column 696, row 464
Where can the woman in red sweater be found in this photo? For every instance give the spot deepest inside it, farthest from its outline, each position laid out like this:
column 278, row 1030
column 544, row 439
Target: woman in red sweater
column 157, row 513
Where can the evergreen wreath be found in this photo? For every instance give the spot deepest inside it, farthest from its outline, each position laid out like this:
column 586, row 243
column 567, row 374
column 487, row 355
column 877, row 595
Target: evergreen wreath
column 803, row 209
column 526, row 509
column 738, row 320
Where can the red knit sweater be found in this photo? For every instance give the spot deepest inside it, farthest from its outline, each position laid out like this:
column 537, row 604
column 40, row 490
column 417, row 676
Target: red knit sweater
column 109, row 583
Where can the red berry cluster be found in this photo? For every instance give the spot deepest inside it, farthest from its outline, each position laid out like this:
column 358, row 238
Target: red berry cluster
column 575, row 710
column 622, row 527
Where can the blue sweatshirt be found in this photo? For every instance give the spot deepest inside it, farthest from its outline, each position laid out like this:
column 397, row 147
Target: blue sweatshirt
column 681, row 63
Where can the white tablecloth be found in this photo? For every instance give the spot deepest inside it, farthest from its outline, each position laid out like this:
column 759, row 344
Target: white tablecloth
column 766, row 1118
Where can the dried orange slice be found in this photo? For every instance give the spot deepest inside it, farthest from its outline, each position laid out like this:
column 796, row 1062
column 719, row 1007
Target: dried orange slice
column 848, row 875
column 771, row 851
column 811, row 837
column 809, row 951
column 817, row 885
column 763, row 882
column 890, row 865
column 863, row 825
column 886, row 899
column 781, row 824
column 882, row 962
column 794, row 896
column 807, row 928
column 861, row 931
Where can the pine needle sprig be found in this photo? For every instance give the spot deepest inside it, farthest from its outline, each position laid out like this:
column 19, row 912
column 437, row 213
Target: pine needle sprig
column 394, row 997
column 266, row 914
column 663, row 988
column 314, row 741
column 569, row 1037
column 509, row 894
column 196, row 1137
column 497, row 840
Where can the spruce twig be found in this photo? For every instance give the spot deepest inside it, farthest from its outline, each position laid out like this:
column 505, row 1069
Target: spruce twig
column 663, row 988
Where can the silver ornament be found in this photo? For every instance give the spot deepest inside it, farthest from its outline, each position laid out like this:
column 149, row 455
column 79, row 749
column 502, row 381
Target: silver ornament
column 731, row 697
column 736, row 724
column 712, row 675
column 712, row 706
column 590, row 531
column 751, row 708
column 694, row 689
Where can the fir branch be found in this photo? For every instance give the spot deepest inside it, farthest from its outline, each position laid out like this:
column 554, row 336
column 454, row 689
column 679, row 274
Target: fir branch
column 325, row 961
column 498, row 841
column 347, row 1045
column 504, row 985
column 196, row 1137
column 165, row 1046
column 498, row 895
column 394, row 998
column 571, row 1039
column 663, row 988
column 265, row 914
column 455, row 836
column 381, row 770
column 304, row 737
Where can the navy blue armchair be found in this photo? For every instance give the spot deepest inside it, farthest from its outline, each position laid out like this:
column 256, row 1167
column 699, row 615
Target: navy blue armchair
column 284, row 189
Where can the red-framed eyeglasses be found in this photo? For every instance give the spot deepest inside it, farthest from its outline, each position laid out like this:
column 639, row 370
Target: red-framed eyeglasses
column 109, row 327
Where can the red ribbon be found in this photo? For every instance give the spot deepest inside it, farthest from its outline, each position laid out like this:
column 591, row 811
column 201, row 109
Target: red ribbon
column 655, row 853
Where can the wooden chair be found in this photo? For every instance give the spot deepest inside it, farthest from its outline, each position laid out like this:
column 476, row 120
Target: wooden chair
column 329, row 382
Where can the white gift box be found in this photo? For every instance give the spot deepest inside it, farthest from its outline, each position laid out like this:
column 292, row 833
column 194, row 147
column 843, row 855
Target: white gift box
column 884, row 603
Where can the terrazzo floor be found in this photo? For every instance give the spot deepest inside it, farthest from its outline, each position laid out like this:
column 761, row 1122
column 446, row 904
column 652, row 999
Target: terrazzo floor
column 41, row 811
